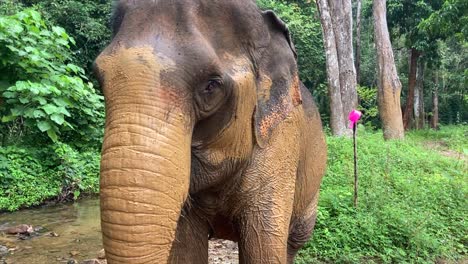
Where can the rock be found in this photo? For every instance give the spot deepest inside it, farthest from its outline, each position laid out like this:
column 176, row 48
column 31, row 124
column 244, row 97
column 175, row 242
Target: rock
column 72, row 261
column 20, row 229
column 74, row 253
column 91, row 261
column 53, row 234
column 38, row 228
column 3, row 250
column 10, row 245
column 101, row 254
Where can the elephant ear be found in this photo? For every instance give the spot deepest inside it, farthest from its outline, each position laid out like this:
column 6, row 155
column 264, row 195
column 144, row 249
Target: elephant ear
column 278, row 82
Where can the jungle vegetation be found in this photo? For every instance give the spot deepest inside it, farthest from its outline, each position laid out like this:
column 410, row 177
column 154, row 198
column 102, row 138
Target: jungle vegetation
column 414, row 190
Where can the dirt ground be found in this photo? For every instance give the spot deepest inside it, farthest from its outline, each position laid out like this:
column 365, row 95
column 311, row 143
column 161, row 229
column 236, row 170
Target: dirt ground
column 443, row 149
column 223, row 252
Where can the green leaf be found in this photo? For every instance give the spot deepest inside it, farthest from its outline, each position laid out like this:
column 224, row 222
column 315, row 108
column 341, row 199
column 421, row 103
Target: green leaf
column 50, row 109
column 62, row 101
column 76, row 194
column 63, row 110
column 57, row 118
column 9, row 118
column 18, row 110
column 36, row 16
column 44, row 126
column 52, row 135
column 41, row 100
column 38, row 113
column 24, row 100
column 9, row 94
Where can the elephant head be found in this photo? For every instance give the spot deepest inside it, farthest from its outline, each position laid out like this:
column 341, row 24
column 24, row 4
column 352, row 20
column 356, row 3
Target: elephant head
column 180, row 77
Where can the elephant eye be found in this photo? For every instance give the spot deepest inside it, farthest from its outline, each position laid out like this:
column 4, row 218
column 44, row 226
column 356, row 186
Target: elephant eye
column 212, row 85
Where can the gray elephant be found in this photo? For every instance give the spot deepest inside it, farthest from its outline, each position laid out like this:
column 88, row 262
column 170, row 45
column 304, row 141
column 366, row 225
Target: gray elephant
column 209, row 134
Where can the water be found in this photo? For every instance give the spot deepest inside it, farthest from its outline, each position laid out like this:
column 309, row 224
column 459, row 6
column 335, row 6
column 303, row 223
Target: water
column 77, row 226
column 79, row 236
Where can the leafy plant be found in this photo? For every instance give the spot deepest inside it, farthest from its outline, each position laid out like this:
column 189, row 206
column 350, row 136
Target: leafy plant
column 29, row 176
column 368, row 106
column 39, row 84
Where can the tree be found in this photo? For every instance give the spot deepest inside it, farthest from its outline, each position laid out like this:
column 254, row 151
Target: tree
column 404, row 21
column 358, row 40
column 336, row 20
column 306, row 35
column 449, row 25
column 435, row 102
column 449, row 20
column 418, row 106
column 337, row 119
column 389, row 85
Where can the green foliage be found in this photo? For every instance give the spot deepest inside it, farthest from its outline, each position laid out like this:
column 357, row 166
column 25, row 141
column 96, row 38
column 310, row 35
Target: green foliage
column 368, row 106
column 307, row 36
column 44, row 98
column 449, row 20
column 411, row 203
column 29, row 176
column 39, row 85
column 454, row 80
column 86, row 20
column 24, row 181
column 79, row 171
column 404, row 18
column 10, row 7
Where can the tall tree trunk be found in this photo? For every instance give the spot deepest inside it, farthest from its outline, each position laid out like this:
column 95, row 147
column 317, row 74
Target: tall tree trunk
column 337, row 120
column 358, row 42
column 389, row 85
column 342, row 20
column 419, row 119
column 435, row 102
column 422, row 114
column 408, row 113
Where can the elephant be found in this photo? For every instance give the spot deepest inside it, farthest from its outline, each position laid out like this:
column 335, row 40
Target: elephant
column 209, row 133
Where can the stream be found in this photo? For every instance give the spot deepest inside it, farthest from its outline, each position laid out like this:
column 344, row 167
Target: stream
column 71, row 233
column 66, row 232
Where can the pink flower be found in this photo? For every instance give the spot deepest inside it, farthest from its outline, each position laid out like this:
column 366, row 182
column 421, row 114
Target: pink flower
column 353, row 117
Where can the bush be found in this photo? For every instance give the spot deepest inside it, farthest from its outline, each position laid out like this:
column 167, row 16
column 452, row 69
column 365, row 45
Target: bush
column 40, row 89
column 411, row 205
column 368, row 106
column 29, row 176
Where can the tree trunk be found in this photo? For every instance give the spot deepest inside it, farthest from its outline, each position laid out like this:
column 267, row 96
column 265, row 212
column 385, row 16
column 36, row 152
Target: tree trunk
column 389, row 85
column 342, row 20
column 337, row 120
column 408, row 113
column 419, row 97
column 435, row 103
column 420, row 84
column 358, row 42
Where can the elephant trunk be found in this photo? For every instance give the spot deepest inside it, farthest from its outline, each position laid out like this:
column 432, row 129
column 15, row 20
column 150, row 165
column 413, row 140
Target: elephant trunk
column 145, row 165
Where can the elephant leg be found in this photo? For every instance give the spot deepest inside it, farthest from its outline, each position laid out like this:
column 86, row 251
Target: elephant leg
column 263, row 237
column 301, row 229
column 191, row 243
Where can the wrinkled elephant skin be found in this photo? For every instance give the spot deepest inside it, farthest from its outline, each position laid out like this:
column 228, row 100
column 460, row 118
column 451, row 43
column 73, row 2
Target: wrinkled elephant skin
column 209, row 134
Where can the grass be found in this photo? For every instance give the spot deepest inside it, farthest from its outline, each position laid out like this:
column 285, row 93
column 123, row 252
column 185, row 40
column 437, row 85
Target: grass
column 412, row 201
